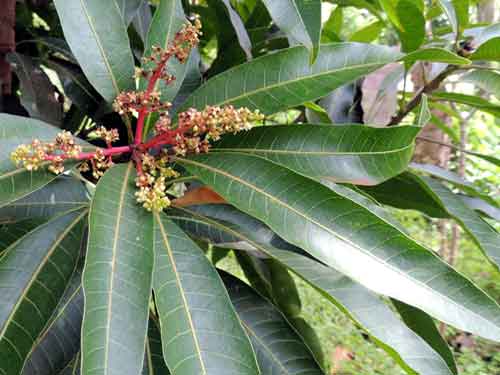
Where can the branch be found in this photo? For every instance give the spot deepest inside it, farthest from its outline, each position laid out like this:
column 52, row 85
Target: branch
column 428, row 88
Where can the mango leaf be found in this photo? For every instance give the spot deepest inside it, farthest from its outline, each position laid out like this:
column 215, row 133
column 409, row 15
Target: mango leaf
column 117, row 277
column 435, row 54
column 17, row 182
column 358, row 303
column 34, row 272
column 129, row 9
column 349, row 238
column 168, row 19
column 479, row 205
column 199, row 327
column 457, row 12
column 154, row 362
column 98, row 38
column 368, row 33
column 471, row 100
column 349, row 153
column 142, row 20
column 38, row 95
column 278, row 347
column 11, row 232
column 285, row 79
column 489, row 51
column 59, row 343
column 73, row 368
column 239, row 29
column 488, row 80
column 485, row 236
column 300, row 20
column 422, row 324
column 62, row 194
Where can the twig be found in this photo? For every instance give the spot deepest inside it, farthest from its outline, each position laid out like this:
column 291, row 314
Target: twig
column 428, row 88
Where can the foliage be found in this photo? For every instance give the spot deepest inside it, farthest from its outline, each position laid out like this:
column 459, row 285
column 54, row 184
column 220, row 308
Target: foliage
column 113, row 185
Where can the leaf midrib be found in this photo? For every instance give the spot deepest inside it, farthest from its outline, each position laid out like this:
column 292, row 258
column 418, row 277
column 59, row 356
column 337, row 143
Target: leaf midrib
column 99, row 45
column 425, row 286
column 181, row 290
column 313, row 153
column 114, row 249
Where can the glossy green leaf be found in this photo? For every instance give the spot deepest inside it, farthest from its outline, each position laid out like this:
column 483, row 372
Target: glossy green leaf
column 368, row 33
column 480, row 205
column 200, row 330
column 357, row 302
column 361, row 155
column 485, row 236
column 423, row 325
column 73, row 368
column 424, row 113
column 142, row 20
column 117, row 277
column 300, row 20
column 239, row 29
column 471, row 100
column 34, row 272
column 98, row 38
column 62, row 194
column 278, row 348
column 489, row 51
column 38, row 95
column 129, row 9
column 348, row 237
column 10, row 233
column 435, row 54
column 17, row 182
column 285, row 78
column 168, row 19
column 59, row 343
column 488, row 80
column 154, row 364
column 454, row 12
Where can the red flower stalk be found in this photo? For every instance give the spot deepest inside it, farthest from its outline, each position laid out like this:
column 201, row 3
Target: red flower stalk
column 192, row 135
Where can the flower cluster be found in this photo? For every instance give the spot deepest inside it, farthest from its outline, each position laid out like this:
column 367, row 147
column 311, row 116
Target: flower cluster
column 38, row 153
column 210, row 124
column 191, row 134
column 151, row 181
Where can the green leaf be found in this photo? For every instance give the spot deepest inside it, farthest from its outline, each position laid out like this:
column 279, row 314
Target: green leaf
column 368, row 33
column 278, row 347
column 239, row 29
column 422, row 324
column 34, row 272
column 200, row 330
column 480, row 205
column 457, row 12
column 424, row 113
column 38, row 96
column 471, row 100
column 98, row 38
column 489, row 51
column 300, row 20
column 142, row 20
column 412, row 25
column 10, row 233
column 59, row 343
column 348, row 153
column 435, row 54
column 17, row 182
column 358, row 303
column 154, row 364
column 61, row 195
column 117, row 277
column 285, row 79
column 168, row 19
column 348, row 237
column 128, row 9
column 333, row 26
column 485, row 236
column 73, row 368
column 486, row 80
